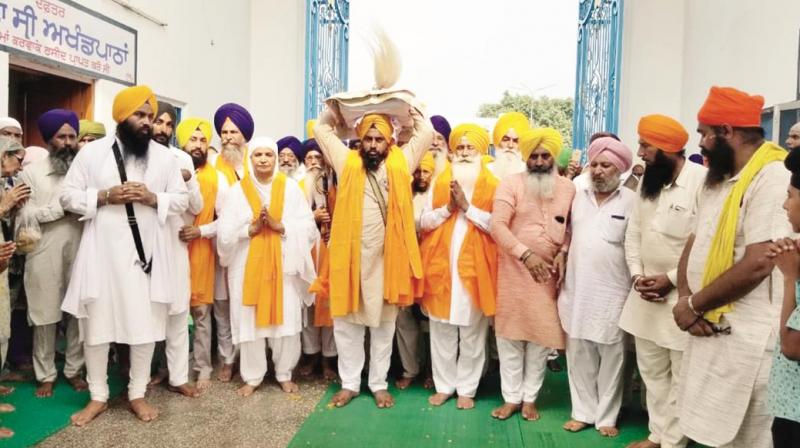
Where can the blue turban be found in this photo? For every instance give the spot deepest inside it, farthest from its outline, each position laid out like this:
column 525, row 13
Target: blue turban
column 294, row 144
column 696, row 158
column 441, row 126
column 238, row 115
column 52, row 120
column 311, row 145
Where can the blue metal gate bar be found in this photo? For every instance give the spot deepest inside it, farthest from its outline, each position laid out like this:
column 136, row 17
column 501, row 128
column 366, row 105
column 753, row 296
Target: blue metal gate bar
column 597, row 75
column 327, row 38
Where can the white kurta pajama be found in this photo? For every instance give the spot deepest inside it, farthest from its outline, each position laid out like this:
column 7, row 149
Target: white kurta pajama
column 47, row 269
column 458, row 344
column 110, row 294
column 233, row 244
column 596, row 285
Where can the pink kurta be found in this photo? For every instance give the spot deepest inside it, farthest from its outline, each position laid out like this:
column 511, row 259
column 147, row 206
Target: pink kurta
column 526, row 310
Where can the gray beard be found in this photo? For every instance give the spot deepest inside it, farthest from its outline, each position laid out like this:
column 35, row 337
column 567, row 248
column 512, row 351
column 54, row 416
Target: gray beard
column 60, row 161
column 540, row 185
column 606, row 186
column 232, row 155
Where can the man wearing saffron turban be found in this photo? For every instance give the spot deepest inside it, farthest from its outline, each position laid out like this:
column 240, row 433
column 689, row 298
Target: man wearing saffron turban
column 729, row 296
column 374, row 257
column 506, row 137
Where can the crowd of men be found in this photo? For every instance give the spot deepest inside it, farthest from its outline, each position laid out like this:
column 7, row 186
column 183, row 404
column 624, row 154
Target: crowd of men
column 300, row 248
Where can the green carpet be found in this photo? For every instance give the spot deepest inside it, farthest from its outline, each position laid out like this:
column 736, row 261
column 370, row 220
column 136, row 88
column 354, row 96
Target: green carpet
column 415, row 423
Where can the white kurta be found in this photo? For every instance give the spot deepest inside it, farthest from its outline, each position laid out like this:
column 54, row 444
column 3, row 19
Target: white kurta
column 233, row 244
column 597, row 279
column 115, row 300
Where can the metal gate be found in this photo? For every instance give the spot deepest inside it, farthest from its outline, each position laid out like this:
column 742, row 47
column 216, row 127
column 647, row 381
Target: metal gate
column 327, row 38
column 597, row 78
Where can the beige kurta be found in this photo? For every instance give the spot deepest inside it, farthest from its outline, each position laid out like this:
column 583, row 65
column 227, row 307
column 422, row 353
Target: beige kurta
column 719, row 373
column 373, row 308
column 526, row 310
column 654, row 240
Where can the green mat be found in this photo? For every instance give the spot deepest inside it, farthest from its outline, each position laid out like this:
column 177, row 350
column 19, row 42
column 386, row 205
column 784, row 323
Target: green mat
column 414, row 423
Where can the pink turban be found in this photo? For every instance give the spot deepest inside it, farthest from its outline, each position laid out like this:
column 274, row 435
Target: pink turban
column 617, row 152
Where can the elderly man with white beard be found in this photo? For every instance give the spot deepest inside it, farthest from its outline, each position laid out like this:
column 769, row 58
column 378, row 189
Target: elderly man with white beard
column 507, row 130
column 439, row 147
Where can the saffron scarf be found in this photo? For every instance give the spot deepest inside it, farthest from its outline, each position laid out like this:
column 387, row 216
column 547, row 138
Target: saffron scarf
column 321, row 285
column 202, row 258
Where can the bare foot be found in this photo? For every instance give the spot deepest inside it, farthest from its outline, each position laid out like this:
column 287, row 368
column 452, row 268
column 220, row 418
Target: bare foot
column 289, row 387
column 44, row 390
column 203, row 385
column 89, row 413
column 158, row 378
column 226, row 373
column 5, row 408
column 438, row 399
column 14, row 376
column 4, row 390
column 343, row 397
column 246, row 390
column 328, row 373
column 529, row 412
column 646, row 443
column 6, row 433
column 465, row 403
column 505, row 411
column 575, row 426
column 608, row 431
column 187, row 390
column 403, row 383
column 144, row 411
column 383, row 399
column 78, row 383
column 428, row 384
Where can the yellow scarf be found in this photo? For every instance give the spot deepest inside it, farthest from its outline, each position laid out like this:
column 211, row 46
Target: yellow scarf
column 477, row 261
column 263, row 272
column 402, row 266
column 720, row 256
column 228, row 170
column 202, row 258
column 321, row 285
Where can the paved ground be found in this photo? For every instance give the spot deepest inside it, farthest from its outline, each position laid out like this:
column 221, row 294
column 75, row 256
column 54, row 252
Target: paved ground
column 269, row 418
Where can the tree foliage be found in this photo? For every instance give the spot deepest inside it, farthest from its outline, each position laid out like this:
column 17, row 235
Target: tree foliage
column 542, row 111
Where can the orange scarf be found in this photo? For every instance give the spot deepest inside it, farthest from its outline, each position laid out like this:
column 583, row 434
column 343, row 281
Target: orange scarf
column 477, row 262
column 320, row 287
column 202, row 259
column 402, row 266
column 228, row 170
column 263, row 272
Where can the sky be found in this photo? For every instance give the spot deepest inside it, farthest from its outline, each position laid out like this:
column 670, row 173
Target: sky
column 458, row 54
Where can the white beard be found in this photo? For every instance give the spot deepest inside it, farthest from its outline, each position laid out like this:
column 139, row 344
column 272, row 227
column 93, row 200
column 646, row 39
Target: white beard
column 232, row 155
column 540, row 185
column 466, row 173
column 507, row 163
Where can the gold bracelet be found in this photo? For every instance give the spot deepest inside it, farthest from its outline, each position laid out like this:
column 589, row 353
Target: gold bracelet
column 108, row 193
column 691, row 307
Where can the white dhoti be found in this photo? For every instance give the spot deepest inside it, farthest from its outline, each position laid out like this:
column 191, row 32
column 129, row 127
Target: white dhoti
column 253, row 355
column 177, row 348
column 457, row 356
column 350, row 342
column 660, row 370
column 407, row 331
column 44, row 351
column 522, row 369
column 97, row 376
column 595, row 381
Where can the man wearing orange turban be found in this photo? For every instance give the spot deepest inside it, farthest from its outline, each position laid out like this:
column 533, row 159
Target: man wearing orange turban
column 656, row 234
column 124, row 282
column 506, row 138
column 727, row 287
column 374, row 257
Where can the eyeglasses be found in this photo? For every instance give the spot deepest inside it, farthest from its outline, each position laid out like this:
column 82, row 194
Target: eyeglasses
column 16, row 155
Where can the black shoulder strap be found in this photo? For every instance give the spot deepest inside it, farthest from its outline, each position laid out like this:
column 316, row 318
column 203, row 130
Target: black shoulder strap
column 137, row 237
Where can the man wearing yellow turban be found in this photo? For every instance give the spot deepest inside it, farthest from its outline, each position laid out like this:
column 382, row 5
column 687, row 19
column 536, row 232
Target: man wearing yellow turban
column 374, row 256
column 123, row 282
column 506, row 138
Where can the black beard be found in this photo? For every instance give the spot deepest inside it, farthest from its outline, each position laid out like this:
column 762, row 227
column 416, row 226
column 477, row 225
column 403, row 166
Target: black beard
column 372, row 160
column 199, row 161
column 419, row 187
column 657, row 176
column 162, row 138
column 60, row 160
column 135, row 143
column 720, row 162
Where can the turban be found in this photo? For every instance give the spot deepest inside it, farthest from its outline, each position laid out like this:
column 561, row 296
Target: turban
column 663, row 132
column 294, row 144
column 310, row 145
column 427, row 163
column 509, row 120
column 52, row 120
column 696, row 158
column 93, row 128
column 474, row 133
column 167, row 108
column 617, row 152
column 310, row 128
column 239, row 116
column 380, row 122
column 441, row 126
column 8, row 122
column 129, row 100
column 263, row 142
column 548, row 138
column 726, row 105
column 564, row 157
column 187, row 127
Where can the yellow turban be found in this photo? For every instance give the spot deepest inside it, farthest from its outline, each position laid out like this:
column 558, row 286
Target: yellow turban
column 93, row 128
column 187, row 127
column 474, row 133
column 548, row 138
column 509, row 120
column 427, row 163
column 128, row 100
column 310, row 128
column 380, row 122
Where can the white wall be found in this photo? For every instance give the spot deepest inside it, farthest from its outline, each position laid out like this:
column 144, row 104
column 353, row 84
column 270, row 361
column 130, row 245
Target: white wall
column 4, row 82
column 675, row 50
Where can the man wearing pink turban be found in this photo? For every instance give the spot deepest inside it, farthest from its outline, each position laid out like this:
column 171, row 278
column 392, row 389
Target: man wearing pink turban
column 596, row 285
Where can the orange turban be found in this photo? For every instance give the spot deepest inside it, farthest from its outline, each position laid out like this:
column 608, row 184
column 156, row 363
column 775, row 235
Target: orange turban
column 380, row 122
column 509, row 120
column 427, row 163
column 726, row 105
column 474, row 133
column 548, row 138
column 129, row 100
column 310, row 128
column 663, row 132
